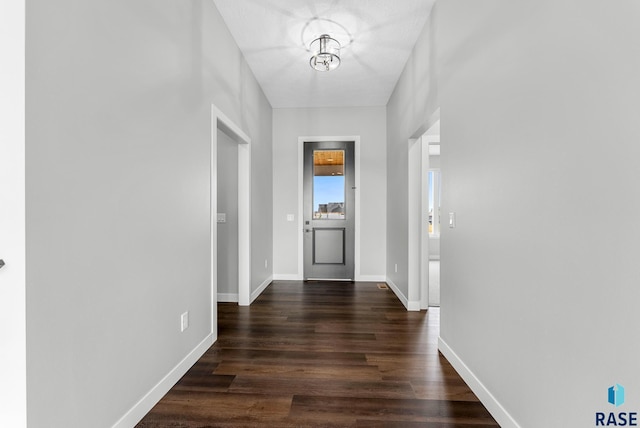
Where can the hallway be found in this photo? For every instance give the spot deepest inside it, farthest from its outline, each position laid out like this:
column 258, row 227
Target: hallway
column 322, row 354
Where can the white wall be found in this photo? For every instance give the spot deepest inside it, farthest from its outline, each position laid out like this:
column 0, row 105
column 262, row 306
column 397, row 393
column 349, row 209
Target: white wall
column 119, row 100
column 13, row 371
column 369, row 124
column 539, row 106
column 227, row 161
column 410, row 112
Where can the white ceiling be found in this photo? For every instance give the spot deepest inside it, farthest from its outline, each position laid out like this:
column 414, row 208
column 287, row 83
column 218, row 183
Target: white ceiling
column 377, row 38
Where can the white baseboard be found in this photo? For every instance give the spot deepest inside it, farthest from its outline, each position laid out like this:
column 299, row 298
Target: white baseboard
column 287, row 277
column 151, row 398
column 410, row 305
column 260, row 289
column 371, row 278
column 228, row 297
column 499, row 413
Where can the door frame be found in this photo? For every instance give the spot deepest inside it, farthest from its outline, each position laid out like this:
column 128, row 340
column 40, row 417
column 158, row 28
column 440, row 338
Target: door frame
column 418, row 203
column 13, row 285
column 356, row 250
column 219, row 121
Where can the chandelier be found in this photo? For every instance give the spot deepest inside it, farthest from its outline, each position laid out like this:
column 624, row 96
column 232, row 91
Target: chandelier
column 325, row 53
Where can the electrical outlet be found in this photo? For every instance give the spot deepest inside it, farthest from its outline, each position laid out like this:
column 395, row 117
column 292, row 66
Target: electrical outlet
column 184, row 321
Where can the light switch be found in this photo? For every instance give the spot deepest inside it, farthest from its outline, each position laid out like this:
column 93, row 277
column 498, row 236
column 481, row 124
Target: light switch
column 222, row 217
column 452, row 220
column 290, row 217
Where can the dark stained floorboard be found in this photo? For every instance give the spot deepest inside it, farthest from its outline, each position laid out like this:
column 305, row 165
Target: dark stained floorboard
column 322, row 355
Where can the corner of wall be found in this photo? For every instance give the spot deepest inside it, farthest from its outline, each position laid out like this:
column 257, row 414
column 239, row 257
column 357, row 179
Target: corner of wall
column 488, row 400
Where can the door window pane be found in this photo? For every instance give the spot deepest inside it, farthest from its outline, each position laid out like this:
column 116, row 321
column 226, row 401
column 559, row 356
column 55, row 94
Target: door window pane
column 328, row 185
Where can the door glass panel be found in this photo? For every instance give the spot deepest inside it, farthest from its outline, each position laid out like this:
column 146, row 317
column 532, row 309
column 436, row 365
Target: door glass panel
column 328, row 185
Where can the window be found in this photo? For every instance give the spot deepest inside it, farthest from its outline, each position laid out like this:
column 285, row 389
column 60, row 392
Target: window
column 328, row 185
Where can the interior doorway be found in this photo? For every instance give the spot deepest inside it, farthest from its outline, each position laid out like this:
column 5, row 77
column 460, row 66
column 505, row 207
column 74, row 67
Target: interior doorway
column 431, row 225
column 434, row 196
column 418, row 215
column 329, row 210
column 220, row 122
column 227, row 218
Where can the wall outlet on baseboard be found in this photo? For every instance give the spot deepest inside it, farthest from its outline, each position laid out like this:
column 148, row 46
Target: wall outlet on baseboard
column 184, row 321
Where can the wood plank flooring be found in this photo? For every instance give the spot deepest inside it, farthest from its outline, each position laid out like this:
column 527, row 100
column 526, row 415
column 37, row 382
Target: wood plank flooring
column 320, row 354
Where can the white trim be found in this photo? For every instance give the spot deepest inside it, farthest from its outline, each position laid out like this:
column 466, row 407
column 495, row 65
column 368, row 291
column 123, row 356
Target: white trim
column 287, row 277
column 300, row 273
column 424, row 223
column 228, row 297
column 416, row 290
column 229, row 127
column 213, row 221
column 357, row 237
column 356, row 249
column 244, row 224
column 13, row 332
column 410, row 305
column 220, row 121
column 371, row 278
column 142, row 407
column 504, row 419
column 261, row 288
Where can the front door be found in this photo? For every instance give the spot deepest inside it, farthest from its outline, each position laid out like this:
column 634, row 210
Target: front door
column 329, row 210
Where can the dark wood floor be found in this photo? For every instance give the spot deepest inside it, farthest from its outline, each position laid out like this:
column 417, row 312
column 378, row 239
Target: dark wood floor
column 322, row 355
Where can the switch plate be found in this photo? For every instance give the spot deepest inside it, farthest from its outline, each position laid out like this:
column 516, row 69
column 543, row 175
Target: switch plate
column 184, row 321
column 222, row 217
column 452, row 220
column 290, row 217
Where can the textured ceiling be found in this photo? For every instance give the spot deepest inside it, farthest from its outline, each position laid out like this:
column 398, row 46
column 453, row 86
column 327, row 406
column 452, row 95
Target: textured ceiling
column 377, row 38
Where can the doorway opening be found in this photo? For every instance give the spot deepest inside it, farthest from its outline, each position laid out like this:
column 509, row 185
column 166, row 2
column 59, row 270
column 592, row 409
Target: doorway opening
column 220, row 122
column 434, row 196
column 431, row 176
column 423, row 218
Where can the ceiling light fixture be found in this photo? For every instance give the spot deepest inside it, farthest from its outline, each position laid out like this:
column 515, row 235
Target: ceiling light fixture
column 325, row 53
